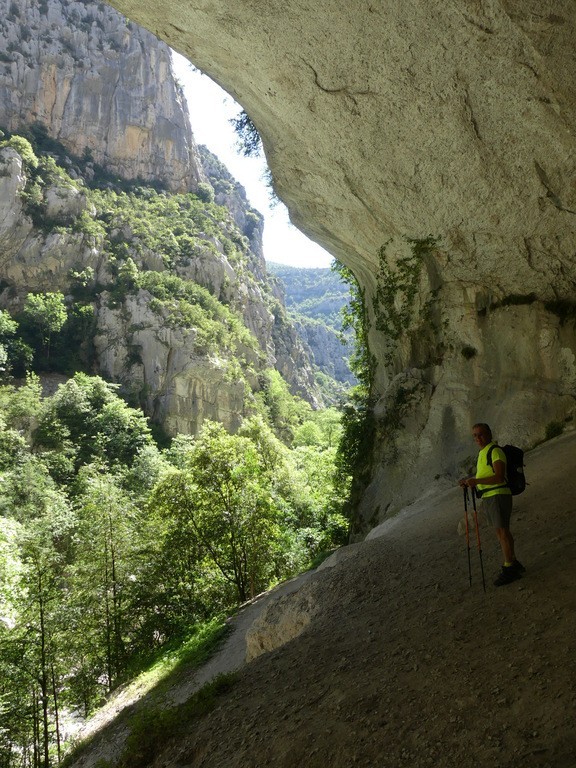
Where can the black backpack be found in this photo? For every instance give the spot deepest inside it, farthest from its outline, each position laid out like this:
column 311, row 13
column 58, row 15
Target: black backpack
column 514, row 467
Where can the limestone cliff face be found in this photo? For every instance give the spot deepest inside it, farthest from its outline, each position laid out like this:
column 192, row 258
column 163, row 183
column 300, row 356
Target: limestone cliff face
column 286, row 348
column 32, row 259
column 327, row 348
column 181, row 385
column 180, row 375
column 384, row 122
column 104, row 89
column 99, row 84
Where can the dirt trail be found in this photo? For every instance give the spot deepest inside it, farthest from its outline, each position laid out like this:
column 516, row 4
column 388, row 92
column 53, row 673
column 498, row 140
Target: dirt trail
column 406, row 664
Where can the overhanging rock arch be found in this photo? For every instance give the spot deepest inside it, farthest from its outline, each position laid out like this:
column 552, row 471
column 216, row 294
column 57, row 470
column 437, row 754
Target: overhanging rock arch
column 444, row 132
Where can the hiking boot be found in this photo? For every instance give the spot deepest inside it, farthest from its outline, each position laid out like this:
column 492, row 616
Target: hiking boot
column 517, row 565
column 507, row 575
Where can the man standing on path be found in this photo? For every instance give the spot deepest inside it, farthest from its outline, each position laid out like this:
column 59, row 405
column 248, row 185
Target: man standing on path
column 490, row 480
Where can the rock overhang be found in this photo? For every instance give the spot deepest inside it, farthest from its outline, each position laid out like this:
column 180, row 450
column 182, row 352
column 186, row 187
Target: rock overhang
column 384, row 123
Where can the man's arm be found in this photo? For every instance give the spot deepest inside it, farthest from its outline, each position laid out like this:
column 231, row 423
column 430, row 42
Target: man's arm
column 498, row 478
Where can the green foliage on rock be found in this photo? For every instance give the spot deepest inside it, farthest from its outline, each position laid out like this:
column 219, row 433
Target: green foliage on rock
column 355, row 449
column 8, row 328
column 149, row 241
column 24, row 149
column 283, row 411
column 46, row 312
column 178, row 227
column 398, row 286
column 184, row 304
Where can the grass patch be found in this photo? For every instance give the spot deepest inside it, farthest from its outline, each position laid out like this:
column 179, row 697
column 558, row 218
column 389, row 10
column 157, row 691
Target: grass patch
column 171, row 664
column 180, row 656
column 152, row 728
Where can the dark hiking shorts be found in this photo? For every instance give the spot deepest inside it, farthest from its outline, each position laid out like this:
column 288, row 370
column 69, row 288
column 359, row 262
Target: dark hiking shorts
column 497, row 510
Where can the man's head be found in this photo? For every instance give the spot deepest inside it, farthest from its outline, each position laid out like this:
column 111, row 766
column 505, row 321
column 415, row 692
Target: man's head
column 482, row 434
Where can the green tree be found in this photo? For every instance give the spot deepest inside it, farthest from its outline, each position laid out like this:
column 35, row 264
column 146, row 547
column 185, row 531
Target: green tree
column 8, row 328
column 249, row 140
column 87, row 420
column 21, row 405
column 24, row 149
column 13, row 447
column 224, row 492
column 31, row 650
column 205, row 192
column 47, row 313
column 107, row 537
column 17, row 736
column 308, row 433
column 42, row 565
column 329, row 421
column 285, row 411
column 15, row 355
column 353, row 458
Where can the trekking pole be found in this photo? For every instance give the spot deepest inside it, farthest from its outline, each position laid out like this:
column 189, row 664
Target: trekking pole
column 478, row 536
column 467, row 532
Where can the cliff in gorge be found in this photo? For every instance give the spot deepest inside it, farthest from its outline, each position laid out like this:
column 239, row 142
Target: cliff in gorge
column 100, row 85
column 315, row 300
column 431, row 149
column 109, row 202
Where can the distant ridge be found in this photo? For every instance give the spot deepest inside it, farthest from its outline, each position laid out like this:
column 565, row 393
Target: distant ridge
column 314, row 298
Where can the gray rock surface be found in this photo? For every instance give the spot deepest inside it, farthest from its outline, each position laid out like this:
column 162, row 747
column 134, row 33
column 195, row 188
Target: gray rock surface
column 327, row 348
column 99, row 84
column 83, row 75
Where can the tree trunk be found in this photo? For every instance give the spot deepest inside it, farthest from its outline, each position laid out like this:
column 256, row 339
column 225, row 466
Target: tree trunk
column 35, row 729
column 56, row 713
column 108, row 620
column 43, row 675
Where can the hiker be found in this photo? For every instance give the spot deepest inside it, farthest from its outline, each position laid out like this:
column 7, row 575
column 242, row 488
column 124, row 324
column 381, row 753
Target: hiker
column 496, row 499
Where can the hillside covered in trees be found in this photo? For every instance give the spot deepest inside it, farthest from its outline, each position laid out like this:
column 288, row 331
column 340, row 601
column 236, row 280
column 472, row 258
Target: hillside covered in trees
column 112, row 547
column 122, row 535
column 316, row 300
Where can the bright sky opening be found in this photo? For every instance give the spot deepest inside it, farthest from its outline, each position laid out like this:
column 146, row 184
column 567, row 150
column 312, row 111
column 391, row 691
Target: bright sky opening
column 211, row 110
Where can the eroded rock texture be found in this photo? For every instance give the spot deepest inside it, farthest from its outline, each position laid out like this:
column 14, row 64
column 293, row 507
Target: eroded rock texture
column 450, row 124
column 99, row 84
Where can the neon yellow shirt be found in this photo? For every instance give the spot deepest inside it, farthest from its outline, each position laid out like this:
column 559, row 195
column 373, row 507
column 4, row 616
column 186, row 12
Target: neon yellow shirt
column 483, row 469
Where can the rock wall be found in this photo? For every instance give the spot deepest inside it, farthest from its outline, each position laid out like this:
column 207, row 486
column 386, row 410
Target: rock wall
column 390, row 122
column 177, row 375
column 286, row 347
column 83, row 75
column 327, row 348
column 32, row 259
column 181, row 387
column 99, row 84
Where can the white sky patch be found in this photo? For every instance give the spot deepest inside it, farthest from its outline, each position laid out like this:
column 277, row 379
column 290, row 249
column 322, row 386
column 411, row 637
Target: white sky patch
column 211, row 109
